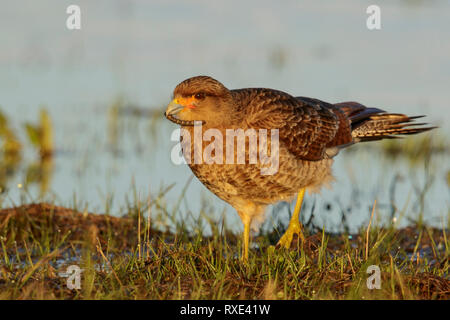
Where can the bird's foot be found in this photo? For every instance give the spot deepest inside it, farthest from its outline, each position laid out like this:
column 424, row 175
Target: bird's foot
column 293, row 229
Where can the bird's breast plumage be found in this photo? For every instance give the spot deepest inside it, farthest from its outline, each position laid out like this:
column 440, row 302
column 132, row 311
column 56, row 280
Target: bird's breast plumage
column 237, row 181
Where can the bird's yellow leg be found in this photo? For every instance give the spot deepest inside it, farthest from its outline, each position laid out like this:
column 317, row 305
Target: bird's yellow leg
column 246, row 236
column 295, row 226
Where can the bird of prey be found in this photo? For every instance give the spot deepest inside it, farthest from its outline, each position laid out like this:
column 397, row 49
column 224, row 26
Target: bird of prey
column 310, row 132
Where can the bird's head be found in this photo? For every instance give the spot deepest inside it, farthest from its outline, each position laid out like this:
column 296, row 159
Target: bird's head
column 202, row 99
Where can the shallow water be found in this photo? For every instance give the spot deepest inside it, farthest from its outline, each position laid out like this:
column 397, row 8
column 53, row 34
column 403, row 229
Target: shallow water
column 140, row 50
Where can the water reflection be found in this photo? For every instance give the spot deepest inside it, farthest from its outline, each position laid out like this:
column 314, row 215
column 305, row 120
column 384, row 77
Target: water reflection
column 38, row 169
column 11, row 152
column 40, row 173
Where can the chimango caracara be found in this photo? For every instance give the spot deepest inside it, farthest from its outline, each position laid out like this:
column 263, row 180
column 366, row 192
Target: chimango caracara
column 310, row 133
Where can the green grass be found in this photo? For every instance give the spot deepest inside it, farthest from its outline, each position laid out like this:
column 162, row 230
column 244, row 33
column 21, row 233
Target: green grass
column 126, row 258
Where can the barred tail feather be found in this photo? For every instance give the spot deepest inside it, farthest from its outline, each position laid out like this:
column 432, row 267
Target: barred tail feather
column 369, row 124
column 388, row 126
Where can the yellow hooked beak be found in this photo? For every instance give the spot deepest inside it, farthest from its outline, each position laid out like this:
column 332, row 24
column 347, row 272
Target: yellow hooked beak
column 173, row 108
column 177, row 105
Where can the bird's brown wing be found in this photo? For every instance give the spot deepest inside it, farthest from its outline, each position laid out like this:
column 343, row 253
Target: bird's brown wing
column 307, row 127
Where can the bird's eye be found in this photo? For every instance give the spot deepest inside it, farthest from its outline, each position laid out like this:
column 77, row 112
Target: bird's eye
column 199, row 96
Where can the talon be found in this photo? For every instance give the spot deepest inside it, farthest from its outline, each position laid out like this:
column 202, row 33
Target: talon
column 286, row 239
column 295, row 226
